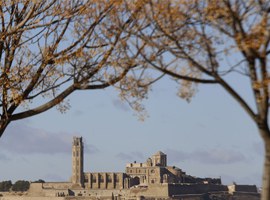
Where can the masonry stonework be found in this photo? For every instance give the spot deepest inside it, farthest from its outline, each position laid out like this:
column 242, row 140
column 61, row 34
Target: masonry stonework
column 77, row 162
column 152, row 180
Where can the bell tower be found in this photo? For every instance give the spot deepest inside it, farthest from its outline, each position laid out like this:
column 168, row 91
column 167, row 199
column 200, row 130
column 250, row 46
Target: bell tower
column 77, row 161
column 159, row 159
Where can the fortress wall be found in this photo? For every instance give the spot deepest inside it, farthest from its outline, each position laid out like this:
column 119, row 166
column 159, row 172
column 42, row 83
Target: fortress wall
column 36, row 189
column 30, row 198
column 55, row 193
column 88, row 198
column 157, row 190
column 245, row 196
column 48, row 189
column 189, row 197
column 178, row 189
column 246, row 188
column 99, row 193
column 57, row 185
column 49, row 193
column 242, row 188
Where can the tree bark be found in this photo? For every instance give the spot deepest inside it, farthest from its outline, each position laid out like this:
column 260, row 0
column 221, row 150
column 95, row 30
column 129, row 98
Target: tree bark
column 266, row 171
column 3, row 126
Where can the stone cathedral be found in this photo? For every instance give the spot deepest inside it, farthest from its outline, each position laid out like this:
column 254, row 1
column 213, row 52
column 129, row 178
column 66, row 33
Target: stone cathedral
column 152, row 179
column 153, row 171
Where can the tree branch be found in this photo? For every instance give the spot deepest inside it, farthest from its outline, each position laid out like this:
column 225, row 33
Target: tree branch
column 178, row 76
column 45, row 106
column 237, row 97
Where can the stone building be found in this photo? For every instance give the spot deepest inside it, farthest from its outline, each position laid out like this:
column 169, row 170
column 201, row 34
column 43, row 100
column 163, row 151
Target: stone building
column 156, row 171
column 148, row 180
column 77, row 162
column 96, row 180
column 153, row 171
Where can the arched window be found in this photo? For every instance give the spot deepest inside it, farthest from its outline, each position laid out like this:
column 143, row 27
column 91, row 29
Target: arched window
column 101, row 178
column 94, row 179
column 109, row 178
column 136, row 180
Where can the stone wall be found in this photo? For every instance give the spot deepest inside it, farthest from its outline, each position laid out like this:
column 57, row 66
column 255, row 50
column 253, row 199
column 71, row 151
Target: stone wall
column 104, row 180
column 155, row 190
column 30, row 198
column 97, row 193
column 36, row 189
column 245, row 196
column 57, row 185
column 151, row 192
column 178, row 189
column 49, row 189
column 242, row 188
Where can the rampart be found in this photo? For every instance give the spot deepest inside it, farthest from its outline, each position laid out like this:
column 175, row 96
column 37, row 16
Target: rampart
column 156, row 190
column 242, row 188
column 180, row 189
column 30, row 198
column 57, row 185
column 245, row 196
column 56, row 189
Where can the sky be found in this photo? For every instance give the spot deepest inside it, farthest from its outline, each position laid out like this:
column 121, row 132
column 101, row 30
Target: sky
column 211, row 136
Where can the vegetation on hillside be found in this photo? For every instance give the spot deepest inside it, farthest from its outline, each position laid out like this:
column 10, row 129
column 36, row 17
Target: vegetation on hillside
column 18, row 186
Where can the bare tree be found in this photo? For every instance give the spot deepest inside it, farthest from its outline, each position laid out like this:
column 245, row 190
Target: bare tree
column 49, row 49
column 208, row 42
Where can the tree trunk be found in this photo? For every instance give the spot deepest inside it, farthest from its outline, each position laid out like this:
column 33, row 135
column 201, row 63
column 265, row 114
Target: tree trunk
column 266, row 172
column 3, row 126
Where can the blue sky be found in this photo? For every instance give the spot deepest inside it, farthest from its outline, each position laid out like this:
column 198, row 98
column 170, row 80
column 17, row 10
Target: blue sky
column 209, row 137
